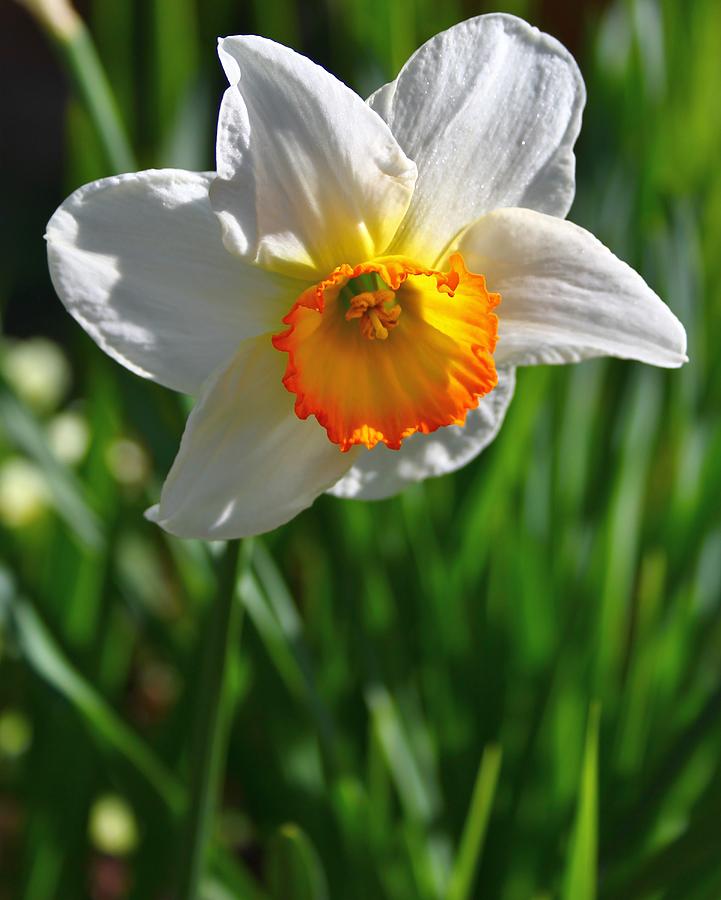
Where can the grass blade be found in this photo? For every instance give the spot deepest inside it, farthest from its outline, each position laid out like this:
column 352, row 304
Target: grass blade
column 210, row 739
column 24, row 430
column 474, row 830
column 295, row 871
column 77, row 52
column 49, row 662
column 582, row 863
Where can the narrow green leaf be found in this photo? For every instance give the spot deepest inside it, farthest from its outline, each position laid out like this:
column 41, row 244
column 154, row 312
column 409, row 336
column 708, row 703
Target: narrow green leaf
column 272, row 636
column 281, row 626
column 213, row 714
column 174, row 59
column 402, row 764
column 294, row 868
column 624, row 521
column 49, row 662
column 474, row 830
column 77, row 51
column 582, row 863
column 24, row 430
column 230, row 878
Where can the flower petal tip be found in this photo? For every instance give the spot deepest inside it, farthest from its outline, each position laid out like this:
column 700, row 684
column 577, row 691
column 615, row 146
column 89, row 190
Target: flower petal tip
column 152, row 514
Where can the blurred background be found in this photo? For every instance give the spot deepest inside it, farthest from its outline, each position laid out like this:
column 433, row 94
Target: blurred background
column 505, row 683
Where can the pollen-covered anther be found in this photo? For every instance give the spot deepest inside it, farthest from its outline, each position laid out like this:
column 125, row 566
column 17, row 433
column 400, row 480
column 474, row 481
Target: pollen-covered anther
column 376, row 319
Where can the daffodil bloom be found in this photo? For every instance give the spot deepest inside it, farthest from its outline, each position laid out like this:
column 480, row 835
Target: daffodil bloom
column 349, row 294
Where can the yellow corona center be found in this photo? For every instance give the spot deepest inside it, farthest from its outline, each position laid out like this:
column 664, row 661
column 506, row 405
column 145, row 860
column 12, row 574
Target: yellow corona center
column 387, row 348
column 377, row 316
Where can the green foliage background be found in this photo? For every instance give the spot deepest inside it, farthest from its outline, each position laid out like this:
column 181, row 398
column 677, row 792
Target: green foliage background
column 505, row 683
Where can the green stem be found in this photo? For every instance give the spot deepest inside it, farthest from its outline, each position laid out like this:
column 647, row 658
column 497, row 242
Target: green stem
column 91, row 83
column 75, row 46
column 212, row 720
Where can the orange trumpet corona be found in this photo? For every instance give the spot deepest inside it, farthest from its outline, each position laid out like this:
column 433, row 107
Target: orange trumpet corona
column 381, row 350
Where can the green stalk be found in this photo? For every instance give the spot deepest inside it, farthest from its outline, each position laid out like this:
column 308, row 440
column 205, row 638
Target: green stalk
column 212, row 720
column 91, row 83
column 474, row 831
column 77, row 51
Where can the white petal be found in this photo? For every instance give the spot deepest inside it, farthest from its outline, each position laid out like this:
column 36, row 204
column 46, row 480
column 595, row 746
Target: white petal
column 309, row 176
column 138, row 260
column 246, row 463
column 489, row 110
column 566, row 297
column 381, row 472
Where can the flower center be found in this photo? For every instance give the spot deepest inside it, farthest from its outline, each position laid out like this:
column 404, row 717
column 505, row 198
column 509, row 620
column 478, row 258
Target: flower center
column 366, row 389
column 374, row 305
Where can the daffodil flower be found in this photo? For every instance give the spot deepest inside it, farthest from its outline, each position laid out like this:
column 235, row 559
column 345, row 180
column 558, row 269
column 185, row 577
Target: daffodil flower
column 349, row 295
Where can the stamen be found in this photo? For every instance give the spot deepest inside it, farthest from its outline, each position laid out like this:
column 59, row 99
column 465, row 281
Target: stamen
column 380, row 331
column 375, row 320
